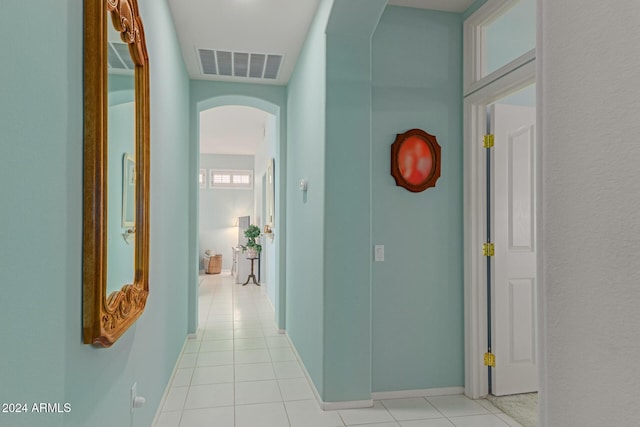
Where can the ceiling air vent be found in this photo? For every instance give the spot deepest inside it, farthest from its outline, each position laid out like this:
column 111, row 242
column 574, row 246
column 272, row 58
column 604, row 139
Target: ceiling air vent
column 272, row 67
column 240, row 64
column 118, row 57
column 208, row 61
column 256, row 67
column 224, row 63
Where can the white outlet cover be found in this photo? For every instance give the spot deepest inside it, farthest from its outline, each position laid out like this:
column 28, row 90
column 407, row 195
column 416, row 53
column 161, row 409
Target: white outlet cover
column 379, row 253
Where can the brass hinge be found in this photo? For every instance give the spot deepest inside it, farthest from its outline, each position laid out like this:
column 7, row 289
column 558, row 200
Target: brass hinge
column 490, row 360
column 488, row 249
column 488, row 140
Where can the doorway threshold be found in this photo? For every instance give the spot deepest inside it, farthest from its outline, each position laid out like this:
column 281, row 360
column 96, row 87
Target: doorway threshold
column 521, row 407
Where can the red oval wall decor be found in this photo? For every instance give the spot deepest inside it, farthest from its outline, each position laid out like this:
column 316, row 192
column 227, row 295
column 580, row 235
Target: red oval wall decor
column 415, row 160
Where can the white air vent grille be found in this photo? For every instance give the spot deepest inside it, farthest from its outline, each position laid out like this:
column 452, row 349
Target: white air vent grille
column 240, row 64
column 118, row 57
column 272, row 67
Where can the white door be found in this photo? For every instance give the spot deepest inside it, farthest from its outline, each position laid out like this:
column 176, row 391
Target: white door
column 514, row 338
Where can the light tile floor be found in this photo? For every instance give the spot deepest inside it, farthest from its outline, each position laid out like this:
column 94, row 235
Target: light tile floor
column 240, row 372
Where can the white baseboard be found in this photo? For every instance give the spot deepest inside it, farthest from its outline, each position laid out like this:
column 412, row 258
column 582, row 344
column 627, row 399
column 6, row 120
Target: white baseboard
column 326, row 406
column 156, row 418
column 354, row 404
column 443, row 391
column 347, row 404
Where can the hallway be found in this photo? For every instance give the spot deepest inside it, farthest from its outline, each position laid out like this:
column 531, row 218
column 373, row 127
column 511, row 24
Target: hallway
column 240, row 372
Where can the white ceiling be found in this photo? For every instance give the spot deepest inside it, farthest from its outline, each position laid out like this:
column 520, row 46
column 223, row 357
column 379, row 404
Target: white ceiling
column 233, row 129
column 249, row 26
column 254, row 26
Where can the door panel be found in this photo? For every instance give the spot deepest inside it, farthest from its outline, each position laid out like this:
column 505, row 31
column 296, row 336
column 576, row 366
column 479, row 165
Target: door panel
column 520, row 189
column 521, row 321
column 514, row 264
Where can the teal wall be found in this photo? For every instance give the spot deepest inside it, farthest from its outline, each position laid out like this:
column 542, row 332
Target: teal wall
column 43, row 358
column 418, row 289
column 219, row 208
column 358, row 326
column 41, row 194
column 347, row 249
column 348, row 98
column 305, row 211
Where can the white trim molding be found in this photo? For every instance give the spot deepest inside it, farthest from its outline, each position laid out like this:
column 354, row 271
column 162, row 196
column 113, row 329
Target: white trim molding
column 475, row 220
column 542, row 291
column 474, row 37
column 503, row 72
column 480, row 92
column 442, row 391
column 474, row 268
column 327, row 406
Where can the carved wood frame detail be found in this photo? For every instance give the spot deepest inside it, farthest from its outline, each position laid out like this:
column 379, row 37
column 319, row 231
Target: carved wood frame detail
column 107, row 317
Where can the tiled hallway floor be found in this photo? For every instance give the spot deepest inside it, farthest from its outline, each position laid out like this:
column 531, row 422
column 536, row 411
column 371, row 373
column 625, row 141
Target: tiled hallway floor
column 240, row 372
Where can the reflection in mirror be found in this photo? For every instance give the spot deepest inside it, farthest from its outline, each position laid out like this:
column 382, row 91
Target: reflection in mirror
column 121, row 143
column 116, row 152
column 271, row 216
column 128, row 191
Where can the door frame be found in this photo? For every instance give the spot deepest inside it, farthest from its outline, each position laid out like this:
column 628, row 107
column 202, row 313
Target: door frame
column 479, row 92
column 475, row 219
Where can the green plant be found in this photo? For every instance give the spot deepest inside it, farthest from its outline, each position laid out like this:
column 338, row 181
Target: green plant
column 252, row 233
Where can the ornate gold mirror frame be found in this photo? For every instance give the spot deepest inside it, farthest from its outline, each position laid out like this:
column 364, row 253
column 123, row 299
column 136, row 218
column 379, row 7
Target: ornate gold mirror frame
column 107, row 317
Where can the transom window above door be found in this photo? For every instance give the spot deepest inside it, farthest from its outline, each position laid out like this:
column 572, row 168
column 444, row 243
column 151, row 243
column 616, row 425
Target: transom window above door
column 499, row 38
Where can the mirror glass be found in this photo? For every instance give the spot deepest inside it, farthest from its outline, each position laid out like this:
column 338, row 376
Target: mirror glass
column 121, row 149
column 116, row 181
column 128, row 193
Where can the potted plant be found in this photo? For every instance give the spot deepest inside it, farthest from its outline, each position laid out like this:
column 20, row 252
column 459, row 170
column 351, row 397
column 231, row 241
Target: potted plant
column 252, row 248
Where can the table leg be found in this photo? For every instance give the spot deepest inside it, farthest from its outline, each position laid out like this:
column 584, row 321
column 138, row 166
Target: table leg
column 251, row 276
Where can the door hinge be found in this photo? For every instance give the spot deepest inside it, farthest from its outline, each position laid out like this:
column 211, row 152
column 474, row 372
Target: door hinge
column 490, row 360
column 488, row 140
column 488, row 249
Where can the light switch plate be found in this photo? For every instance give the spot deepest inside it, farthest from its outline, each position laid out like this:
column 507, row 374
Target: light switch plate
column 379, row 253
column 134, row 393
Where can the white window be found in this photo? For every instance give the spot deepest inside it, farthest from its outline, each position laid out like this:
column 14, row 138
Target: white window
column 235, row 179
column 221, row 178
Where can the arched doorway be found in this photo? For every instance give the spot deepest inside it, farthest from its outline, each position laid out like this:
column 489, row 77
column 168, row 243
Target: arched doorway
column 277, row 110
